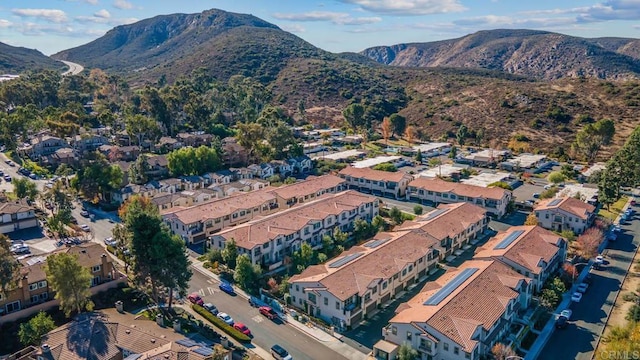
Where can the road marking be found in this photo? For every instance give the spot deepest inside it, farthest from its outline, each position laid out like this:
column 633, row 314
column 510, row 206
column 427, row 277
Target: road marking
column 210, row 281
column 210, row 290
column 258, row 318
column 201, row 292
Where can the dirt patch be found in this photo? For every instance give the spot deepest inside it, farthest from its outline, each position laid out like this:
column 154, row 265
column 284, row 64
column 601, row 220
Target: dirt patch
column 630, row 285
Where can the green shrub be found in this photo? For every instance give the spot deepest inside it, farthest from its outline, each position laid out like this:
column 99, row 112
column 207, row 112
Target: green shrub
column 634, row 313
column 629, row 297
column 221, row 324
column 417, row 209
column 111, row 249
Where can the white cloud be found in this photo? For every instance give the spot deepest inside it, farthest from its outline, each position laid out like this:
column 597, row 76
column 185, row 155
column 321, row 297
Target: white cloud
column 104, row 14
column 408, row 7
column 337, row 18
column 294, row 28
column 51, row 15
column 5, row 23
column 92, row 2
column 122, row 4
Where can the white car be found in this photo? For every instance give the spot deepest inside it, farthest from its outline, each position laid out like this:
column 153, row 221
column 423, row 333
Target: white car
column 599, row 260
column 582, row 288
column 566, row 313
column 617, row 228
column 226, row 318
column 85, row 227
column 110, row 241
column 576, row 297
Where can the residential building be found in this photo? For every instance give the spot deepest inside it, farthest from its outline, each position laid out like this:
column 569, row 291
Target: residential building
column 125, row 153
column 17, row 215
column 41, row 145
column 233, row 154
column 32, row 287
column 351, row 287
column 231, row 188
column 165, row 201
column 377, row 182
column 167, row 144
column 529, row 250
column 61, row 156
column 486, row 157
column 282, row 167
column 301, row 164
column 88, row 142
column 262, row 171
column 456, row 226
column 436, row 191
column 460, row 315
column 158, row 166
column 308, row 190
column 531, row 163
column 269, row 239
column 195, row 139
column 566, row 213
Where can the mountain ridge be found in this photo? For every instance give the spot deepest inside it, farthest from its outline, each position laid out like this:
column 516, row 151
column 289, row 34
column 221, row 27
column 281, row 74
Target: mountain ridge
column 15, row 59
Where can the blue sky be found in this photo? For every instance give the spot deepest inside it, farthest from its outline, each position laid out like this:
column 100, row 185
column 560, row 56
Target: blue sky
column 334, row 25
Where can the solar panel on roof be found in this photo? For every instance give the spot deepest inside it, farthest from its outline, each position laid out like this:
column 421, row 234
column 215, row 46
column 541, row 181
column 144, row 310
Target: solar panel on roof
column 435, row 213
column 204, row 351
column 509, row 239
column 450, row 287
column 375, row 243
column 186, row 342
column 345, row 260
column 555, row 202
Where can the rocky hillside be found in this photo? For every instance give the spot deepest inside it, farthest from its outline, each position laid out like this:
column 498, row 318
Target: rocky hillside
column 538, row 54
column 14, row 60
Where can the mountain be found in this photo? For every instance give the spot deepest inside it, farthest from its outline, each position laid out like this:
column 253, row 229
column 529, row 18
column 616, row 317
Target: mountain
column 538, row 54
column 171, row 45
column 14, row 60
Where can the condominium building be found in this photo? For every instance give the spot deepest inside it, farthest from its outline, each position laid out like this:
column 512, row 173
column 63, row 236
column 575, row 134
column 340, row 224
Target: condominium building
column 566, row 213
column 377, row 182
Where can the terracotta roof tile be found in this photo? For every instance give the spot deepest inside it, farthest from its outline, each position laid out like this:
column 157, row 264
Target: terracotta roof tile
column 312, row 185
column 573, row 206
column 448, row 220
column 439, row 185
column 376, row 175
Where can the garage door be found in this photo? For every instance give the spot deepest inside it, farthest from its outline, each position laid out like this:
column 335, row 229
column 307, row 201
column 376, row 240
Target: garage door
column 385, row 298
column 355, row 320
column 398, row 289
column 371, row 308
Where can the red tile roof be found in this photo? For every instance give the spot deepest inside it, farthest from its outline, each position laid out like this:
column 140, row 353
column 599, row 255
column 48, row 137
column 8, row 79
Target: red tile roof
column 439, row 185
column 447, row 220
column 376, row 175
column 571, row 205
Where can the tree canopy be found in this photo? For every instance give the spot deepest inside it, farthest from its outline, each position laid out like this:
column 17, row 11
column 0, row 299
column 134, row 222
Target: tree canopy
column 193, row 161
column 32, row 331
column 70, row 281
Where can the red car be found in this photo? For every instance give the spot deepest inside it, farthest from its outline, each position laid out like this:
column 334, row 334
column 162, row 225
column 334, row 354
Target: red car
column 268, row 312
column 195, row 298
column 242, row 328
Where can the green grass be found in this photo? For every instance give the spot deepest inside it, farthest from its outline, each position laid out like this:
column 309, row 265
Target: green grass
column 614, row 210
column 221, row 324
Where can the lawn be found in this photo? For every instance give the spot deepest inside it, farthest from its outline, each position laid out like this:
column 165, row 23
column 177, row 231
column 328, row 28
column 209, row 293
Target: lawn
column 614, row 210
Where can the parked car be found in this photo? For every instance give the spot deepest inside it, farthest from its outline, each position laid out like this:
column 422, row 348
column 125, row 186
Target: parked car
column 20, row 249
column 561, row 322
column 242, row 328
column 617, row 228
column 110, row 241
column 268, row 312
column 226, row 287
column 211, row 308
column 536, row 195
column 599, row 260
column 11, row 163
column 279, row 353
column 33, row 176
column 226, row 318
column 633, row 202
column 7, row 178
column 576, row 297
column 195, row 298
column 566, row 313
column 85, row 227
column 582, row 288
column 84, row 213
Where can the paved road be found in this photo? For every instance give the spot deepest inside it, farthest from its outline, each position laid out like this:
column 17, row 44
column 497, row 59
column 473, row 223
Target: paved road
column 74, row 68
column 579, row 339
column 266, row 332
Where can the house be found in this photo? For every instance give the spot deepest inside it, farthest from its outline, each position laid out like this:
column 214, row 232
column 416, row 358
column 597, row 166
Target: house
column 244, row 185
column 432, row 149
column 241, row 173
column 308, row 190
column 41, row 145
column 436, row 191
column 233, row 154
column 268, row 240
column 282, row 167
column 166, row 144
column 347, row 289
column 486, row 157
column 61, row 156
column 456, row 226
column 262, row 171
column 17, row 215
column 126, row 153
column 32, row 287
column 301, row 164
column 220, row 177
column 377, row 182
column 531, row 163
column 460, row 315
column 535, row 252
column 566, row 213
column 166, row 200
column 195, row 139
column 158, row 166
column 123, row 138
column 88, row 142
column 193, row 182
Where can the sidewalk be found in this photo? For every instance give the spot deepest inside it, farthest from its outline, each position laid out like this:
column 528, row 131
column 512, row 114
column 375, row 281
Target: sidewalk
column 331, row 341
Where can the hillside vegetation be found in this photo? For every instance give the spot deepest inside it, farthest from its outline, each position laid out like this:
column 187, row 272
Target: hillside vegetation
column 14, row 60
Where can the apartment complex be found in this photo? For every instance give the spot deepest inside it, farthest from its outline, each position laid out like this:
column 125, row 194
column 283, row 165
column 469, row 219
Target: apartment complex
column 566, row 213
column 17, row 215
column 347, row 289
column 269, row 239
column 198, row 223
column 456, row 226
column 461, row 315
column 436, row 191
column 377, row 182
column 32, row 287
column 529, row 250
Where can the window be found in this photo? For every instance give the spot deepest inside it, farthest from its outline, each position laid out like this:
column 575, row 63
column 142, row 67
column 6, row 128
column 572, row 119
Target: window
column 95, row 281
column 337, row 305
column 467, row 355
column 456, row 350
column 409, row 335
column 297, row 287
column 384, row 285
column 445, row 346
column 326, row 301
column 265, row 246
column 44, row 296
column 42, row 284
column 293, row 299
column 33, row 286
column 312, row 298
column 35, row 299
column 235, row 215
column 242, row 213
column 374, row 290
column 95, row 268
column 394, row 330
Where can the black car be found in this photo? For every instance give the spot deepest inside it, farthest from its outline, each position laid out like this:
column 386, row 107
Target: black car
column 561, row 322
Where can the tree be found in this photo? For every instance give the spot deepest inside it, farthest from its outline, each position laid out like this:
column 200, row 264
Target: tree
column 410, row 134
column 386, row 129
column 549, row 299
column 462, row 134
column 531, row 219
column 230, row 253
column 251, row 136
column 340, row 237
column 396, row 215
column 453, row 153
column 569, row 235
column 501, row 351
column 570, row 271
column 419, row 156
column 589, row 242
column 139, row 169
column 172, row 263
column 556, row 177
column 70, row 281
column 8, row 265
column 193, row 161
column 25, row 189
column 328, row 244
column 97, row 177
column 398, row 124
column 303, row 257
column 354, row 116
column 363, row 230
column 246, row 274
column 31, row 332
column 142, row 127
column 417, row 209
column 388, row 167
column 379, row 223
column 435, row 161
column 406, row 352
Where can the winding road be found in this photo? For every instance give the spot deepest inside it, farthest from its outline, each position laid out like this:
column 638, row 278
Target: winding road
column 74, row 69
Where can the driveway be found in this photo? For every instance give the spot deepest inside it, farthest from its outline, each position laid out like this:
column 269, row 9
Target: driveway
column 579, row 339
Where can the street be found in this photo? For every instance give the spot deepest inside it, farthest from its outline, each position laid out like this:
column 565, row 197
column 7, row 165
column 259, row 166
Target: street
column 74, row 68
column 579, row 338
column 266, row 332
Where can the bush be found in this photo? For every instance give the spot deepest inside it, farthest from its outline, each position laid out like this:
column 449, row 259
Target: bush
column 111, row 249
column 221, row 324
column 634, row 313
column 417, row 210
column 629, row 297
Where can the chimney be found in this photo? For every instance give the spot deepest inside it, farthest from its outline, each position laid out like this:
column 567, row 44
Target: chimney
column 46, row 349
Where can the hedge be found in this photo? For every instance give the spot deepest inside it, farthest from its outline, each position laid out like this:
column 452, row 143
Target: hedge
column 221, row 324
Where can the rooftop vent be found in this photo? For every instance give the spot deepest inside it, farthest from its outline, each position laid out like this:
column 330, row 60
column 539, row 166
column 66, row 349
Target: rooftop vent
column 128, row 331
